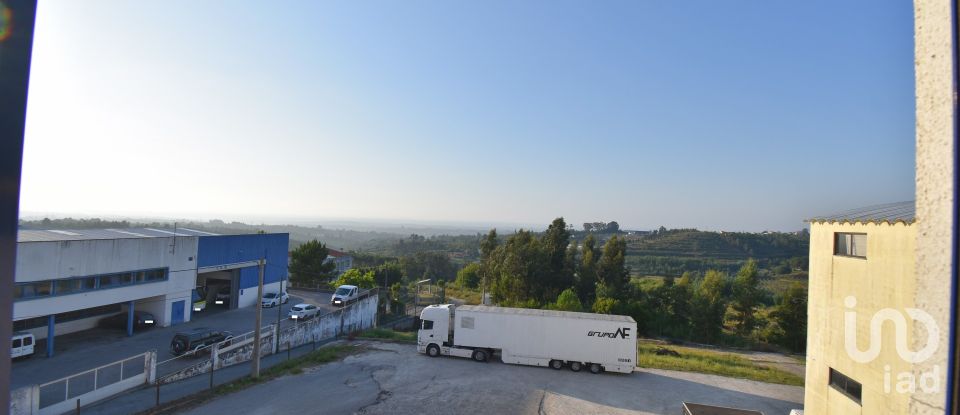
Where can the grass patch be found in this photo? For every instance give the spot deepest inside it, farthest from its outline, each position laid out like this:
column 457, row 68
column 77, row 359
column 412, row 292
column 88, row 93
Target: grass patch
column 468, row 295
column 387, row 334
column 712, row 362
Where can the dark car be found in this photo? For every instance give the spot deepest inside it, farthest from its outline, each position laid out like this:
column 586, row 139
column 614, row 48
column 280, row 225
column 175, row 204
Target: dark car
column 141, row 320
column 196, row 340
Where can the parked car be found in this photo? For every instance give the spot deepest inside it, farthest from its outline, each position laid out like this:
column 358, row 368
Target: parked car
column 22, row 345
column 303, row 312
column 197, row 340
column 141, row 320
column 223, row 296
column 344, row 295
column 274, row 299
column 199, row 298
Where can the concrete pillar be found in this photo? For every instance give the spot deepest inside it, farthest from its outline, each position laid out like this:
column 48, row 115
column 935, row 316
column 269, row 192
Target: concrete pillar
column 130, row 317
column 51, row 323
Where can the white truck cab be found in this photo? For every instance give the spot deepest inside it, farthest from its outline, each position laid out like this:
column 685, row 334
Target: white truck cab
column 22, row 345
column 434, row 326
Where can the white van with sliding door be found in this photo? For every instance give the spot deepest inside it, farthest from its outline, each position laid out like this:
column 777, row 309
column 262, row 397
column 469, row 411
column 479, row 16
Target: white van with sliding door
column 22, row 345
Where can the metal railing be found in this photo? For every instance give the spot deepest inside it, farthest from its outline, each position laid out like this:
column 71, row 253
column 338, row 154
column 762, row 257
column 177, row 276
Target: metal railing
column 73, row 386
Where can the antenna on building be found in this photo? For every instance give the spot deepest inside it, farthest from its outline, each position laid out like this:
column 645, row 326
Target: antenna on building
column 173, row 248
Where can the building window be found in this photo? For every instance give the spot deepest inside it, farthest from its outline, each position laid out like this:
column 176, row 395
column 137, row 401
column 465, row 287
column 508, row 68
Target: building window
column 32, row 290
column 845, row 385
column 88, row 284
column 850, row 244
column 65, row 286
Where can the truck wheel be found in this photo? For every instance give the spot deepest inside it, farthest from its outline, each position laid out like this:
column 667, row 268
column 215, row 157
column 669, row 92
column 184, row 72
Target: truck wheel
column 576, row 366
column 556, row 364
column 433, row 350
column 595, row 368
column 480, row 355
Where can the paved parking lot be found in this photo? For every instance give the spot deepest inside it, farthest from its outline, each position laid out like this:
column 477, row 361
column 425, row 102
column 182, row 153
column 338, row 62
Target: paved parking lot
column 395, row 379
column 85, row 350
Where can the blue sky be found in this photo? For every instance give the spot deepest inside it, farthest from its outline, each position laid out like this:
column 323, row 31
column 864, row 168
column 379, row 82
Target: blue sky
column 736, row 115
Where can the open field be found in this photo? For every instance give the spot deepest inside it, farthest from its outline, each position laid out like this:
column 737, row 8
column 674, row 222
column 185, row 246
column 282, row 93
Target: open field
column 712, row 362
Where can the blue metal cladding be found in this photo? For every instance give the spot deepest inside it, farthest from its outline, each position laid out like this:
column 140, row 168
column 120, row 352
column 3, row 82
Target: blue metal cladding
column 230, row 249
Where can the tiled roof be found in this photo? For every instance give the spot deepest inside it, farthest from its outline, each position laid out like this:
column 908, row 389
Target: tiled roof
column 887, row 213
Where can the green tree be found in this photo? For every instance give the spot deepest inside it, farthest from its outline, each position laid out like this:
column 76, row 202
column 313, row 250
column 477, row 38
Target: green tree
column 681, row 296
column 308, row 263
column 709, row 307
column 518, row 266
column 587, row 272
column 791, row 315
column 356, row 277
column 469, row 276
column 554, row 242
column 605, row 305
column 568, row 301
column 746, row 297
column 488, row 246
column 611, row 271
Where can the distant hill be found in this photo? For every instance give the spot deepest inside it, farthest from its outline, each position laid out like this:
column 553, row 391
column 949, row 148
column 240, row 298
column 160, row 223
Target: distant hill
column 672, row 252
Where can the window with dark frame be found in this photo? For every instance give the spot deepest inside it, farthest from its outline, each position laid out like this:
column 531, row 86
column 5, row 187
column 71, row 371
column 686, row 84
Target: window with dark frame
column 849, row 387
column 850, row 244
column 65, row 286
column 427, row 324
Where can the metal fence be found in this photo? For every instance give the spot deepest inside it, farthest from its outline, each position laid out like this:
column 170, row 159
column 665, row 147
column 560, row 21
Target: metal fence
column 85, row 387
column 96, row 384
column 359, row 315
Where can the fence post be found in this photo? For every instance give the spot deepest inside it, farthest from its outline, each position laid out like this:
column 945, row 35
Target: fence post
column 288, row 350
column 78, row 405
column 276, row 338
column 214, row 356
column 150, row 366
column 158, row 393
column 212, row 367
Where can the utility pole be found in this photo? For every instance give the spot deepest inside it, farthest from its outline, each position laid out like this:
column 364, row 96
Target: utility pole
column 279, row 312
column 255, row 367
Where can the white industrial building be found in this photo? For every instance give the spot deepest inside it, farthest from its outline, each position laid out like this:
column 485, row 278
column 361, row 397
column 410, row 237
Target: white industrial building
column 67, row 281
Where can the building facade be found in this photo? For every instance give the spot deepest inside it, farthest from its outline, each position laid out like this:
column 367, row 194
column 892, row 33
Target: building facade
column 862, row 281
column 67, row 281
column 342, row 260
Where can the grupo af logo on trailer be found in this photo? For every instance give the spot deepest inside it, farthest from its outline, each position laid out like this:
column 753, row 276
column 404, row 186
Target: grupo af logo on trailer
column 622, row 333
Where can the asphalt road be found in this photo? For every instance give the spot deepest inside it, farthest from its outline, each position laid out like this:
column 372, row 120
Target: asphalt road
column 77, row 352
column 395, row 379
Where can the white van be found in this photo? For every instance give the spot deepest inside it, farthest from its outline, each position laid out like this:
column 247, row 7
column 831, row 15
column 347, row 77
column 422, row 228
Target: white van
column 344, row 295
column 22, row 345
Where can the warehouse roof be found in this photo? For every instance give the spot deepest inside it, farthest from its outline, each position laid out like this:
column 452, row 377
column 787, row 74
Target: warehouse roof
column 887, row 213
column 547, row 313
column 46, row 235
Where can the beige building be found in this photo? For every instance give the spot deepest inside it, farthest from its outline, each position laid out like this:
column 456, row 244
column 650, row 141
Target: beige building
column 862, row 285
column 903, row 261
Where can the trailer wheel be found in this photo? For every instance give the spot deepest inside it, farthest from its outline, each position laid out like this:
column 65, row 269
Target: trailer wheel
column 480, row 355
column 433, row 350
column 576, row 366
column 595, row 368
column 556, row 364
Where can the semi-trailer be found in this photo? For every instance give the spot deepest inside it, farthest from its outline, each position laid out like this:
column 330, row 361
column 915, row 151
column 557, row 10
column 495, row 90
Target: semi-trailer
column 555, row 339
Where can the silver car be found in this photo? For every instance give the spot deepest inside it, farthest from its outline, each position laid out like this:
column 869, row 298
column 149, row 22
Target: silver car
column 303, row 312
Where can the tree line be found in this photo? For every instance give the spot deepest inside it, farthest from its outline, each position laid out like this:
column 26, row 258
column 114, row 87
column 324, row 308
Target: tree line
column 546, row 270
